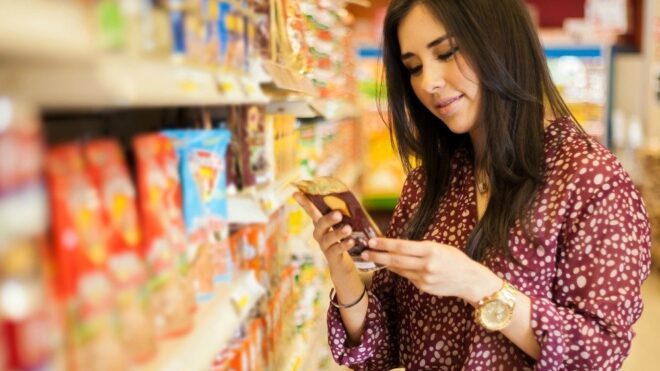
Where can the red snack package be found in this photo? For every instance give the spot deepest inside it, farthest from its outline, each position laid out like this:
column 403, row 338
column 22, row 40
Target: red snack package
column 78, row 228
column 163, row 245
column 106, row 164
column 28, row 329
column 79, row 241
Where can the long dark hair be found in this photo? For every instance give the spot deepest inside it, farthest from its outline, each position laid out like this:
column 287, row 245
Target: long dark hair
column 499, row 41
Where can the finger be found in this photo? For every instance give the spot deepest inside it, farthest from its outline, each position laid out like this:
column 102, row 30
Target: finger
column 322, row 225
column 401, row 247
column 308, row 206
column 336, row 235
column 394, row 260
column 340, row 247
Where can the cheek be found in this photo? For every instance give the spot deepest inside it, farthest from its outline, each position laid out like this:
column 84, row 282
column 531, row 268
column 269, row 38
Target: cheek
column 419, row 91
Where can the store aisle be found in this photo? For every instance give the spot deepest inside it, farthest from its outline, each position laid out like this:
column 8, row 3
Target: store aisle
column 644, row 353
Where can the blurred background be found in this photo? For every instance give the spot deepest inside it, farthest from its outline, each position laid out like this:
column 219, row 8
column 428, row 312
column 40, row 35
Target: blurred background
column 147, row 149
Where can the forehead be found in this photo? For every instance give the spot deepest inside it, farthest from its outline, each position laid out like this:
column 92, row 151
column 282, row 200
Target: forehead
column 418, row 28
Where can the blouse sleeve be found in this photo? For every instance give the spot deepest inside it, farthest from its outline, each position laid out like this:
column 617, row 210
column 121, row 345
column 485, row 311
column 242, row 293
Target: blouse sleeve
column 603, row 258
column 379, row 344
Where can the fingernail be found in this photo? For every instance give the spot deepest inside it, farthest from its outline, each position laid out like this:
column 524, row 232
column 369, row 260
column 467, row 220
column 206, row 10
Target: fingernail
column 336, row 216
column 346, row 229
column 365, row 255
column 372, row 242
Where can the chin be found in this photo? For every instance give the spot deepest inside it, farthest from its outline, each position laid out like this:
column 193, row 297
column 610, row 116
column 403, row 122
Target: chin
column 457, row 126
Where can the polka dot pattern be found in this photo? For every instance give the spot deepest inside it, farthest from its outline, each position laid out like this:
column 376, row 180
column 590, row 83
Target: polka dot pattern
column 583, row 260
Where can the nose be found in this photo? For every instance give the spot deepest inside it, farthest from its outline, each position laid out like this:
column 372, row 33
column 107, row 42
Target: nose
column 433, row 78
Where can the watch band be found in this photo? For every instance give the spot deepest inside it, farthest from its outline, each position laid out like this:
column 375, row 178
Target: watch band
column 505, row 296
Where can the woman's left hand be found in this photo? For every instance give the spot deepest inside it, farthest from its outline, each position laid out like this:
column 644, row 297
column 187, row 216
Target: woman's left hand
column 434, row 268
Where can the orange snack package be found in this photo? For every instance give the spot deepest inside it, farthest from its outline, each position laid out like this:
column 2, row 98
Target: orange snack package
column 163, row 248
column 105, row 162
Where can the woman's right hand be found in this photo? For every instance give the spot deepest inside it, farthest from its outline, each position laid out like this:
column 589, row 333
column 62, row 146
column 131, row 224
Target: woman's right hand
column 333, row 242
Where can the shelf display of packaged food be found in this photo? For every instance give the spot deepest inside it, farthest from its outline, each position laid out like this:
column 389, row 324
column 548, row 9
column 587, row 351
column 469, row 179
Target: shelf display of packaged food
column 27, row 302
column 90, row 61
column 217, row 321
column 142, row 268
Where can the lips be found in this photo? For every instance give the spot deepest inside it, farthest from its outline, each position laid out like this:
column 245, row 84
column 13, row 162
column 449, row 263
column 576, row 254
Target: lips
column 446, row 102
column 448, row 106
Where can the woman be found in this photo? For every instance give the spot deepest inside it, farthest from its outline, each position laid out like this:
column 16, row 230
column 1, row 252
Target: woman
column 518, row 242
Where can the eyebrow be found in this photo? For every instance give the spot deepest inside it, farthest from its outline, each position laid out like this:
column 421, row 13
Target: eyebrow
column 429, row 46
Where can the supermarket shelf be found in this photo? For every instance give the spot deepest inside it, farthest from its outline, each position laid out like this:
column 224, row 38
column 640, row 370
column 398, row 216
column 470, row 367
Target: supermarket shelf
column 256, row 205
column 318, row 340
column 121, row 81
column 336, row 109
column 303, row 349
column 45, row 31
column 298, row 106
column 215, row 324
column 50, row 56
column 284, row 78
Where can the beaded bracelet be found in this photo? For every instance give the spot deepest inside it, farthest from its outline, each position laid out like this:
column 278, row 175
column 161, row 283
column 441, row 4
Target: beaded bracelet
column 333, row 299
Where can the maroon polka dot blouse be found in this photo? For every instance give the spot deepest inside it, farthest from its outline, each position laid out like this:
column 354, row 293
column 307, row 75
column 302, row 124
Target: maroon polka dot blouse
column 582, row 267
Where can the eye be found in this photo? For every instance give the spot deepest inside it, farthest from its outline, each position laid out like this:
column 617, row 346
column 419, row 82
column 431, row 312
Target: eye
column 414, row 70
column 449, row 55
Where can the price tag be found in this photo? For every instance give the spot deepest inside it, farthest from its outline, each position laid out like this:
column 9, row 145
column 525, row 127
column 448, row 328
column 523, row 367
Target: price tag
column 240, row 302
column 227, row 87
column 188, row 86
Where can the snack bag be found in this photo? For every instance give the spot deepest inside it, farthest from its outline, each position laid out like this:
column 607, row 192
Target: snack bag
column 261, row 9
column 248, row 126
column 81, row 256
column 163, row 237
column 328, row 194
column 106, row 164
column 203, row 174
column 96, row 335
column 23, row 205
column 252, row 245
column 22, row 273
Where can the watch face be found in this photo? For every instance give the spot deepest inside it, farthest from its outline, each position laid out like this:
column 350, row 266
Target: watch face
column 495, row 315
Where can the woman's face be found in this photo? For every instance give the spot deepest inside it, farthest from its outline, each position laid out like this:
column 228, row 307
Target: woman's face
column 439, row 75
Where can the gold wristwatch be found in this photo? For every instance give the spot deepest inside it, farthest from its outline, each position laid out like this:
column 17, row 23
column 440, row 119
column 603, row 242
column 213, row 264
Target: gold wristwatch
column 495, row 312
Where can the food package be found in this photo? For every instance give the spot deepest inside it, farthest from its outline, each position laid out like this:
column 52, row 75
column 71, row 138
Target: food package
column 81, row 257
column 203, row 175
column 262, row 37
column 246, row 245
column 177, row 28
column 163, row 246
column 249, row 148
column 285, row 144
column 328, row 194
column 96, row 334
column 27, row 301
column 79, row 231
column 292, row 49
column 27, row 306
column 105, row 162
column 232, row 30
